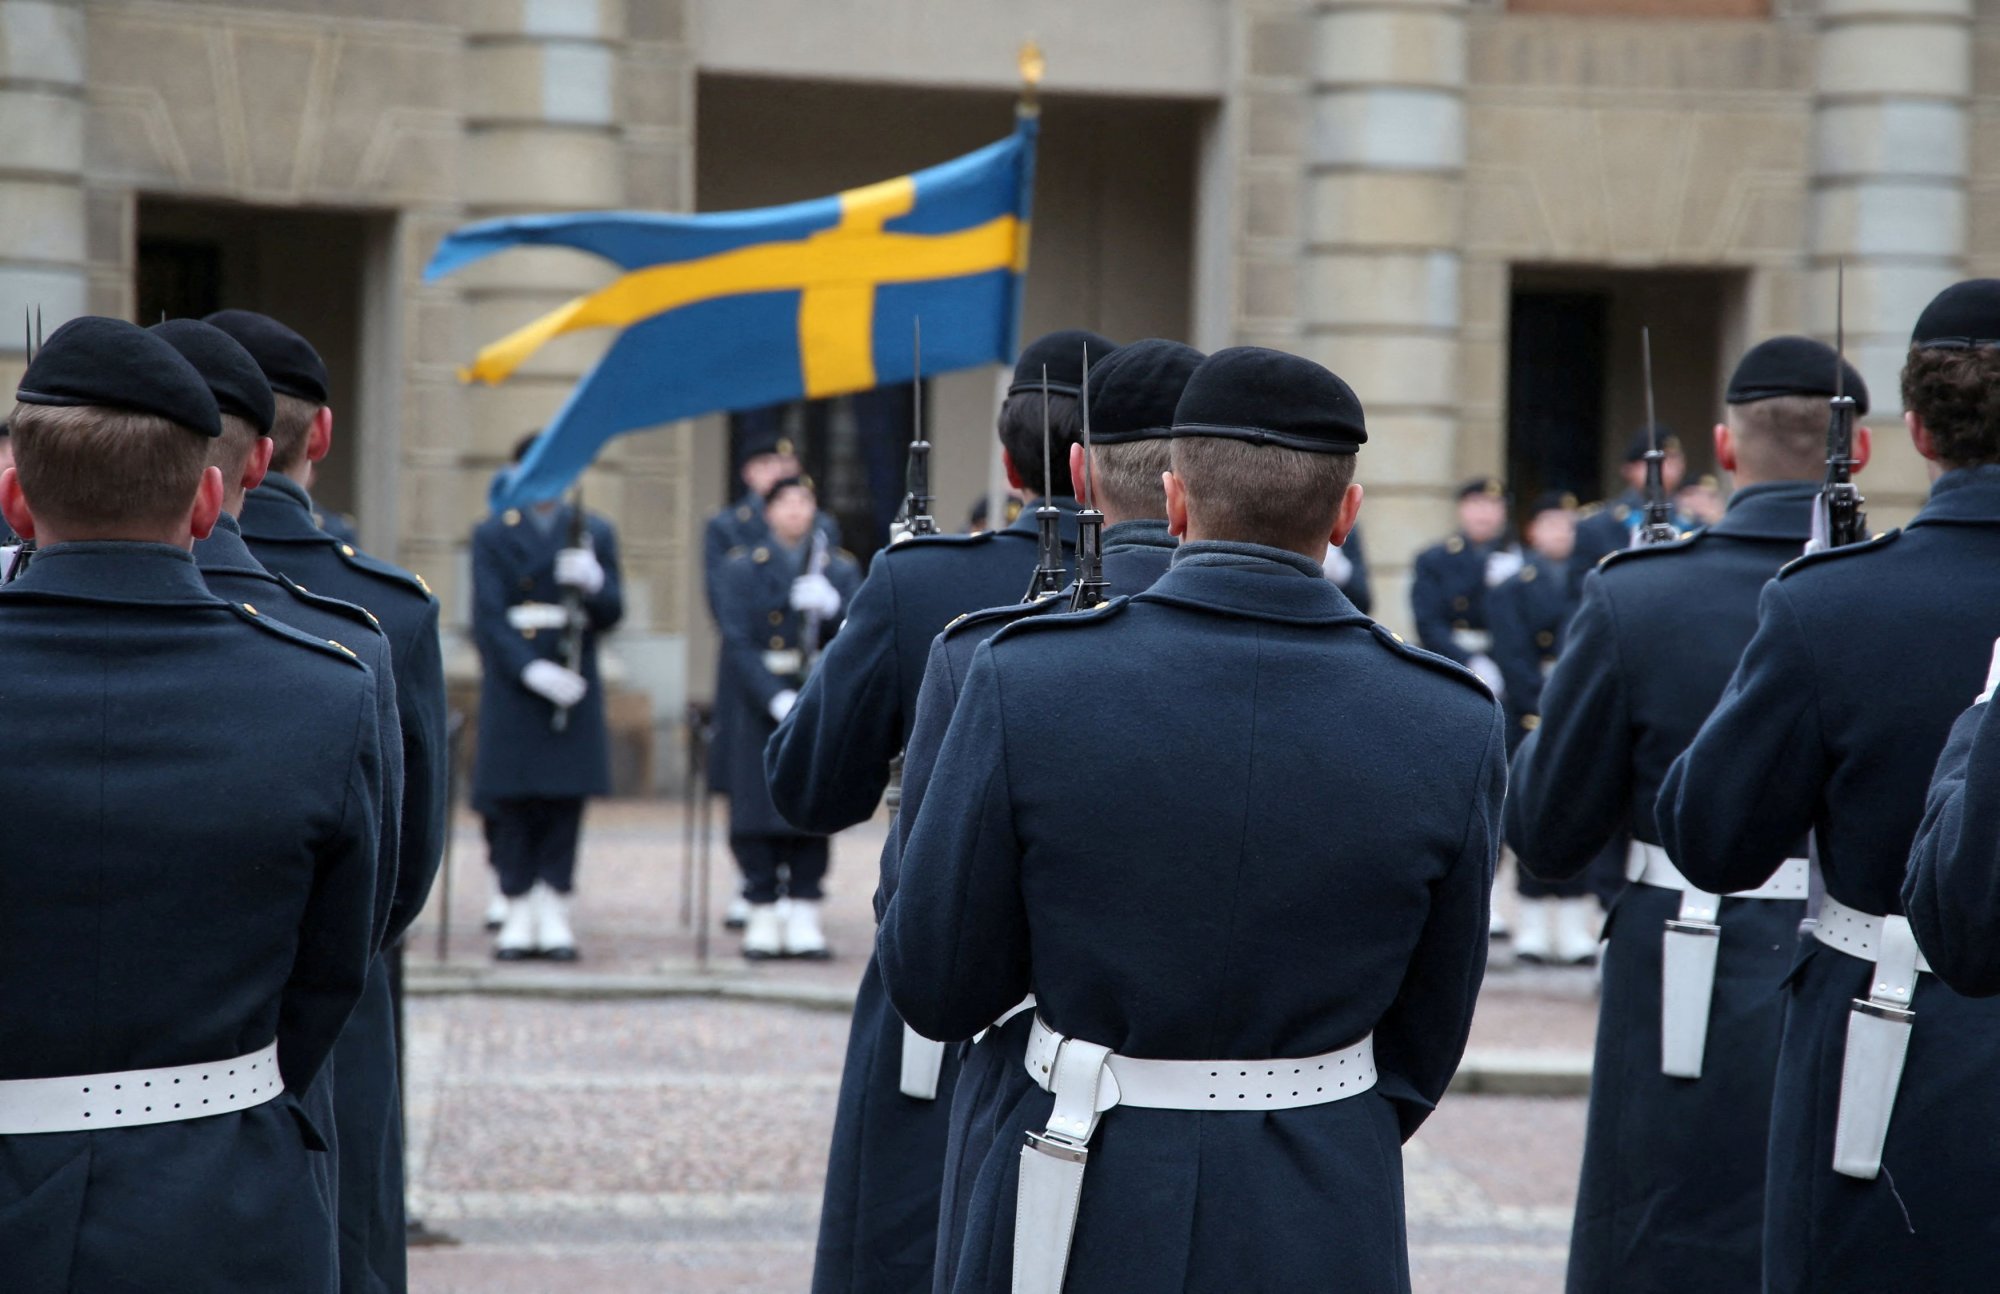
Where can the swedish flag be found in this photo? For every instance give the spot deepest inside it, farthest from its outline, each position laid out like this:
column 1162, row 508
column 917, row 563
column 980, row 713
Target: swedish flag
column 741, row 309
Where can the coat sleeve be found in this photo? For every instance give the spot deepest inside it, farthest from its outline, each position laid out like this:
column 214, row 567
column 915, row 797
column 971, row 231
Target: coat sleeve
column 740, row 616
column 1578, row 792
column 502, row 650
column 389, row 738
column 426, row 806
column 1737, row 801
column 1952, row 890
column 336, row 931
column 1421, row 1039
column 1430, row 607
column 936, row 700
column 828, row 762
column 606, row 607
column 953, row 946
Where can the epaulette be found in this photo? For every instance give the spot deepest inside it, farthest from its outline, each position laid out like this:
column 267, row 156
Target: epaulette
column 940, row 541
column 1618, row 556
column 1060, row 619
column 248, row 612
column 734, row 553
column 1442, row 664
column 987, row 615
column 1589, row 510
column 337, row 606
column 1804, row 560
column 361, row 561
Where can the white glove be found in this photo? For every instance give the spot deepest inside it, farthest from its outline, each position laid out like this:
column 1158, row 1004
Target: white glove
column 1992, row 675
column 557, row 684
column 815, row 594
column 578, row 568
column 1489, row 673
column 1338, row 566
column 1500, row 567
column 781, row 704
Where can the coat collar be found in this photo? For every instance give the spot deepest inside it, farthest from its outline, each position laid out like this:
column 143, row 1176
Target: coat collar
column 1147, row 532
column 1252, row 582
column 114, row 571
column 1025, row 523
column 224, row 550
column 1772, row 510
column 1966, row 496
column 281, row 510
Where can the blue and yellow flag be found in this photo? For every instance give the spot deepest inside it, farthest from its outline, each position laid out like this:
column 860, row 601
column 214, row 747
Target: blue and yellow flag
column 742, row 309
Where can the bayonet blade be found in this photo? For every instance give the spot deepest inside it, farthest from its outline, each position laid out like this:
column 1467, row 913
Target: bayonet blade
column 1646, row 365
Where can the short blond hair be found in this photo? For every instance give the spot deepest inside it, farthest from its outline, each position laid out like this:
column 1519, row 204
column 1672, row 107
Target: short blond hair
column 88, row 467
column 1262, row 494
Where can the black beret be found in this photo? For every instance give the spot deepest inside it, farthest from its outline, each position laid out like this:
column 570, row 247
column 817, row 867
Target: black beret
column 763, row 433
column 290, row 364
column 1487, row 485
column 1962, row 317
column 117, row 365
column 796, row 481
column 1642, row 442
column 1792, row 366
column 1133, row 394
column 1062, row 354
column 1268, row 397
column 233, row 377
column 1554, row 501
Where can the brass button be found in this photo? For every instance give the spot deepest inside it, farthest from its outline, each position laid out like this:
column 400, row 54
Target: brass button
column 528, row 634
column 1545, row 639
column 777, row 642
column 777, row 617
column 247, row 607
column 347, row 550
column 1460, row 604
column 527, row 584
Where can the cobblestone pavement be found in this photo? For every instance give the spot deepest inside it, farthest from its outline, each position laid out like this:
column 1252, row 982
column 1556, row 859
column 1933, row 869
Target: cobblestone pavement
column 655, row 1141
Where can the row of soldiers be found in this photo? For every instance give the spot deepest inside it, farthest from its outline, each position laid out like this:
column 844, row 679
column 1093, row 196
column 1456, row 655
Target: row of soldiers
column 1146, row 847
column 225, row 802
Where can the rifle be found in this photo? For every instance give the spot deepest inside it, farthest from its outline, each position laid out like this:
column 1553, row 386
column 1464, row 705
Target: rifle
column 916, row 518
column 1837, row 516
column 1091, row 588
column 1048, row 580
column 1658, row 527
column 575, row 621
column 24, row 552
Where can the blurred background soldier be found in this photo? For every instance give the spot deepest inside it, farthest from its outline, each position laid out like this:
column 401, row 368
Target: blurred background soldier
column 1882, row 1169
column 1448, row 587
column 196, row 916
column 545, row 586
column 1701, row 502
column 778, row 602
column 1529, row 612
column 1610, row 527
column 1347, row 566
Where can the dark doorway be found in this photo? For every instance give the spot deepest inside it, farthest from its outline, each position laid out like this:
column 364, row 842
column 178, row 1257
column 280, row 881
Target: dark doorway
column 1575, row 391
column 309, row 268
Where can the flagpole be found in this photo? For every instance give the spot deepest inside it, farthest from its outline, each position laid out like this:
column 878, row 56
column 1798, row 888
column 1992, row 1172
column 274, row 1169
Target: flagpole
column 1028, row 107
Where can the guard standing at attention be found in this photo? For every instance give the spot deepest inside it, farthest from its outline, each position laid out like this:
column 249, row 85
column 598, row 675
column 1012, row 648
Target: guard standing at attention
column 197, row 915
column 1449, row 585
column 540, row 602
column 1611, row 527
column 358, row 1098
column 1882, row 1166
column 1658, row 1209
column 1188, row 903
column 779, row 603
column 830, row 762
column 1528, row 613
column 1952, row 891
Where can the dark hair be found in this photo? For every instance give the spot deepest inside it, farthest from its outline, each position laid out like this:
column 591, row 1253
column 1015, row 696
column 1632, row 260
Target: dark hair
column 1957, row 394
column 1261, row 494
column 1021, row 437
column 293, row 418
column 83, row 466
column 1782, row 438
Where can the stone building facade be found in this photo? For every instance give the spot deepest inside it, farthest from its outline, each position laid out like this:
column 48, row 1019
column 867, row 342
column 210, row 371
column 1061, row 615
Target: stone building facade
column 1412, row 191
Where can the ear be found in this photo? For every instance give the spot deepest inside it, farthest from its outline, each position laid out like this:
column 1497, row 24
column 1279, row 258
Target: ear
column 1350, row 512
column 1920, row 435
column 319, row 438
column 1864, row 445
column 207, row 503
column 1177, row 516
column 1013, row 472
column 14, row 504
column 258, row 463
column 1725, row 447
column 1076, row 474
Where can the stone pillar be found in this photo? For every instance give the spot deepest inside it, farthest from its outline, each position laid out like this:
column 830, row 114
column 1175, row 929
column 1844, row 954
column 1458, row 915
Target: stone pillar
column 1891, row 124
column 1382, row 260
column 43, row 259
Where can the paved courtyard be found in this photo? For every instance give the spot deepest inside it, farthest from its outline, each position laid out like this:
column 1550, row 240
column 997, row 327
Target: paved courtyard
column 638, row 1122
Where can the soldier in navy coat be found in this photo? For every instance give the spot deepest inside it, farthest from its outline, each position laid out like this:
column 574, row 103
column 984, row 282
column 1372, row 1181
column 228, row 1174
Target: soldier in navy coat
column 198, row 913
column 1658, row 1209
column 1449, row 585
column 357, row 1099
column 530, row 779
column 1952, row 891
column 1172, row 892
column 1347, row 566
column 1610, row 527
column 778, row 602
column 829, row 764
column 1832, row 724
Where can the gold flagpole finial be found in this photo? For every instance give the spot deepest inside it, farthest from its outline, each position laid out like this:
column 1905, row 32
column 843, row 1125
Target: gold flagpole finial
column 1033, row 66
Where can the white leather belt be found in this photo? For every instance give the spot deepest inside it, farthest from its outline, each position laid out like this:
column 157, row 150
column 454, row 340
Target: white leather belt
column 786, row 660
column 92, row 1102
column 1690, row 945
column 1878, row 1029
column 1087, row 1079
column 537, row 615
column 1473, row 642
